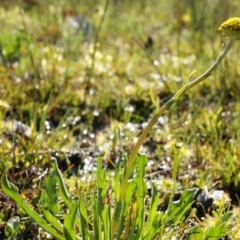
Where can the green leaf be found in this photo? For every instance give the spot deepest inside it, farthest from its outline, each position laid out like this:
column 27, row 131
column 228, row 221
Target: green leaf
column 50, row 185
column 126, row 205
column 69, row 220
column 12, row 191
column 117, row 176
column 103, row 209
column 83, row 219
column 151, row 228
column 117, row 195
column 101, row 173
column 98, row 203
column 120, row 214
column 96, row 219
column 216, row 233
column 63, row 191
column 106, row 216
column 226, row 217
column 116, row 222
column 196, row 233
column 219, row 231
column 12, row 228
column 129, row 195
column 141, row 191
column 44, row 202
column 101, row 184
column 178, row 210
column 213, row 233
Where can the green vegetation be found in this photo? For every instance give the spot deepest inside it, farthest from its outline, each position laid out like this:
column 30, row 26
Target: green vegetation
column 81, row 79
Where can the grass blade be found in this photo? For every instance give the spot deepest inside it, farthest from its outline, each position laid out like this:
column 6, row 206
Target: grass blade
column 63, row 191
column 96, row 219
column 140, row 193
column 50, row 185
column 44, row 202
column 102, row 196
column 220, row 230
column 12, row 191
column 83, row 220
column 117, row 195
column 151, row 229
column 177, row 210
column 68, row 225
column 12, row 228
column 196, row 233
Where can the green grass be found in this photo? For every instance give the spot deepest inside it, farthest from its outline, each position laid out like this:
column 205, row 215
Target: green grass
column 80, row 97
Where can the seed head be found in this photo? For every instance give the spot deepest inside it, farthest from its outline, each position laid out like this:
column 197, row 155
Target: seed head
column 231, row 28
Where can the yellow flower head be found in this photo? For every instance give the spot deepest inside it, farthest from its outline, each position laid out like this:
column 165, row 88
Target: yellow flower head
column 231, row 28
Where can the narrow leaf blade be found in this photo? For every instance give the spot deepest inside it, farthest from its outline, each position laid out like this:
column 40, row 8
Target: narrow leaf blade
column 12, row 191
column 68, row 225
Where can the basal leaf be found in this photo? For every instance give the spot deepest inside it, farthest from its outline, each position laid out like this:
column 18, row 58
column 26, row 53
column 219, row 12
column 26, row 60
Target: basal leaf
column 226, row 216
column 216, row 233
column 12, row 227
column 12, row 191
column 96, row 219
column 141, row 191
column 63, row 190
column 196, row 233
column 50, row 185
column 61, row 186
column 106, row 217
column 178, row 210
column 219, row 231
column 69, row 222
column 44, row 202
column 151, row 229
column 83, row 219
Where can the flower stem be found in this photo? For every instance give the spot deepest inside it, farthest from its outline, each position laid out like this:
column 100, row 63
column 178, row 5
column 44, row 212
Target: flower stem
column 165, row 107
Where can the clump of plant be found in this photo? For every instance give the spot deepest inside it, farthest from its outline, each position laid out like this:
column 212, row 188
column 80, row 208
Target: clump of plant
column 121, row 212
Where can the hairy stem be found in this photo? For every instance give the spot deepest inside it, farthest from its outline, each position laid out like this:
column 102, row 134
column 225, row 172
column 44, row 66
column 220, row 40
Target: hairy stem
column 166, row 106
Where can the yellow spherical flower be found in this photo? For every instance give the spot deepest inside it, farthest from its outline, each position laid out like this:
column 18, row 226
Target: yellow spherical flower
column 231, row 28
